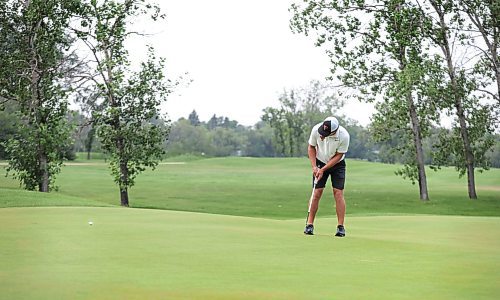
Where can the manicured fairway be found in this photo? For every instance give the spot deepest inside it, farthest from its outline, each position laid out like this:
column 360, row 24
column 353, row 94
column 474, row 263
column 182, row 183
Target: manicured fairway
column 52, row 253
column 276, row 188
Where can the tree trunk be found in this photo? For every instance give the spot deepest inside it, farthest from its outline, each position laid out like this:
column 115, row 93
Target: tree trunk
column 90, row 141
column 417, row 135
column 417, row 138
column 123, row 181
column 43, row 185
column 468, row 154
column 496, row 64
column 124, row 196
column 498, row 85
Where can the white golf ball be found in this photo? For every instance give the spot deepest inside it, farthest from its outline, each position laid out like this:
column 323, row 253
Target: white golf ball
column 91, row 223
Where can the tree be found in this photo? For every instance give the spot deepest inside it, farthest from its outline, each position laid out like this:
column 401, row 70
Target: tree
column 215, row 122
column 89, row 141
column 130, row 98
column 226, row 142
column 376, row 50
column 474, row 122
column 260, row 141
column 35, row 62
column 494, row 154
column 300, row 109
column 186, row 138
column 193, row 118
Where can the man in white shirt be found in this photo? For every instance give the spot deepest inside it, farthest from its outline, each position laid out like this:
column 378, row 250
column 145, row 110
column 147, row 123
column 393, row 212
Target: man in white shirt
column 328, row 144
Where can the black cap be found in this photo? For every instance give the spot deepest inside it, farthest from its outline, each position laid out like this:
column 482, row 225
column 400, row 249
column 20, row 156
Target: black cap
column 330, row 125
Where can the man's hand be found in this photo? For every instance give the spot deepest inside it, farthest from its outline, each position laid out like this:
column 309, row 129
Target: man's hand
column 315, row 171
column 319, row 174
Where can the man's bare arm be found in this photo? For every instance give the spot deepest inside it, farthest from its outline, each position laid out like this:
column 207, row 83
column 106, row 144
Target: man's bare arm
column 311, row 152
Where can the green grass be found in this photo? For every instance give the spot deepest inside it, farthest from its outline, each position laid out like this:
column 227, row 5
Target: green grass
column 52, row 253
column 233, row 230
column 276, row 188
column 22, row 198
column 82, row 157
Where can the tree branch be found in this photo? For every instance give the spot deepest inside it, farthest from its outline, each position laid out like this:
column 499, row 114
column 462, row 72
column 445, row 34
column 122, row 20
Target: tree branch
column 5, row 99
column 495, row 96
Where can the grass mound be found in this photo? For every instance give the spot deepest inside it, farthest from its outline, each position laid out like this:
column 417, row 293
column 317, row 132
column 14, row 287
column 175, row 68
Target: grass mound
column 22, row 198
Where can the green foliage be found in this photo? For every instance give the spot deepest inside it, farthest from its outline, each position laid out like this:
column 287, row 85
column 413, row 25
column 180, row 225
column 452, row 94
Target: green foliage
column 9, row 125
column 494, row 153
column 129, row 124
column 193, row 118
column 260, row 141
column 34, row 38
column 388, row 49
column 141, row 139
column 459, row 92
column 376, row 50
column 449, row 147
column 484, row 17
column 185, row 138
column 24, row 161
column 299, row 111
column 218, row 137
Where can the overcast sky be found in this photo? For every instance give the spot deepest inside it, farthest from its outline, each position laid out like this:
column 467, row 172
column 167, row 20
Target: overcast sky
column 240, row 55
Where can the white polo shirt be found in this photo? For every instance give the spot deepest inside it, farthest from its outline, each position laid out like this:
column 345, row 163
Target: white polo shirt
column 326, row 148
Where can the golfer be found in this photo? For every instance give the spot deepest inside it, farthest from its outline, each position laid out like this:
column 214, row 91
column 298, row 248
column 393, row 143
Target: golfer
column 328, row 144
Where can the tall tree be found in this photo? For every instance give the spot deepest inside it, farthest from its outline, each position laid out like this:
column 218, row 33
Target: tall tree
column 376, row 51
column 474, row 122
column 34, row 61
column 130, row 98
column 89, row 141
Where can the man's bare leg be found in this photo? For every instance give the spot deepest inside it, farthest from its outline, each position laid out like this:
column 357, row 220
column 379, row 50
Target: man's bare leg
column 339, row 205
column 314, row 205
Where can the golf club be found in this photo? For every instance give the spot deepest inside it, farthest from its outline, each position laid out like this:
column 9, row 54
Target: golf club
column 310, row 199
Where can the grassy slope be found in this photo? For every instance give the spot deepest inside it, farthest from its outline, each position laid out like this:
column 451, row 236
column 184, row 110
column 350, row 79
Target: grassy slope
column 52, row 253
column 22, row 198
column 275, row 188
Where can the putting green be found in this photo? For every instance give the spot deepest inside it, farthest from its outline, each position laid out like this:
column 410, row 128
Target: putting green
column 53, row 253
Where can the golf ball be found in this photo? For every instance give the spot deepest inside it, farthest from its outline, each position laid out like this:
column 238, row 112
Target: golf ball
column 91, row 223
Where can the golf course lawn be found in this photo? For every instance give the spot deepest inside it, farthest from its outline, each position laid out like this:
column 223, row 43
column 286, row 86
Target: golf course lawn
column 53, row 253
column 232, row 228
column 277, row 188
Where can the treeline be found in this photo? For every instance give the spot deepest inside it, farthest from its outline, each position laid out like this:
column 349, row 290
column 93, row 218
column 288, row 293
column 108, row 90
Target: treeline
column 220, row 136
column 201, row 139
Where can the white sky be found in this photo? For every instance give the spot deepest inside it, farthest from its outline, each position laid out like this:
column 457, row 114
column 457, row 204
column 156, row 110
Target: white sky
column 240, row 55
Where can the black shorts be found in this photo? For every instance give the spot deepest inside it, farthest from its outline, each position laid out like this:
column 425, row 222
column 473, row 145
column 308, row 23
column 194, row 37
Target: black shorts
column 337, row 174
